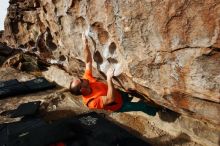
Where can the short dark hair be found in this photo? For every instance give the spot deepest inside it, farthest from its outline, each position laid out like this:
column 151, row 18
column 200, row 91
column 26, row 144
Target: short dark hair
column 75, row 90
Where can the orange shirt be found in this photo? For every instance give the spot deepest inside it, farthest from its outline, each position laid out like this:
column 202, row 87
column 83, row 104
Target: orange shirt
column 99, row 89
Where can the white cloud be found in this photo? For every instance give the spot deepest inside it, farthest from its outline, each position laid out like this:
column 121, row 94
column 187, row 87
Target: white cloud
column 3, row 11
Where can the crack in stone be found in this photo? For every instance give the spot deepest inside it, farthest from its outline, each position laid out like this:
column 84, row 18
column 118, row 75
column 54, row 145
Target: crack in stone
column 178, row 13
column 186, row 47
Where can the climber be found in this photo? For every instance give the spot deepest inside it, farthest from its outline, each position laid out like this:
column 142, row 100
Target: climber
column 99, row 95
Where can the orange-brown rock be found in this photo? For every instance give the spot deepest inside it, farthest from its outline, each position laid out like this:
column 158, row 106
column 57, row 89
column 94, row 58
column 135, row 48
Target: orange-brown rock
column 167, row 50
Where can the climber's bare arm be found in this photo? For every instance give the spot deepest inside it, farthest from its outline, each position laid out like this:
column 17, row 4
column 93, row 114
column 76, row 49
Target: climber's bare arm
column 87, row 54
column 111, row 90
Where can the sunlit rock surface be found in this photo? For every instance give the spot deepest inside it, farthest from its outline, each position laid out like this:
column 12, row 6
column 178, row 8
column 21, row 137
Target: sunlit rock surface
column 58, row 103
column 168, row 51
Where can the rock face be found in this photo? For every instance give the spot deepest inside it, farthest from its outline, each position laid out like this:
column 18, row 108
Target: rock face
column 169, row 51
column 57, row 103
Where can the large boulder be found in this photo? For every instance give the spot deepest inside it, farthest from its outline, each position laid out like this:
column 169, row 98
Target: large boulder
column 167, row 51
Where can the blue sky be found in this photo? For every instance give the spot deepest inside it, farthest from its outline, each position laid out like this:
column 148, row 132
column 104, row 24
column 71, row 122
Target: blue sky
column 3, row 11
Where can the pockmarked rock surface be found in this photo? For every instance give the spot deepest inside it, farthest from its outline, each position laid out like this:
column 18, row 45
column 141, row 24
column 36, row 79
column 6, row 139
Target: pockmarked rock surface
column 168, row 51
column 58, row 103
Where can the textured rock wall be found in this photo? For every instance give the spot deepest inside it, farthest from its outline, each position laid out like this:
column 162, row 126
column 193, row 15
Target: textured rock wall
column 167, row 50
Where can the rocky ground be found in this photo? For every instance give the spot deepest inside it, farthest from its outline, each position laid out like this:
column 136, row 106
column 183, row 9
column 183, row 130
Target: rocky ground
column 58, row 103
column 167, row 52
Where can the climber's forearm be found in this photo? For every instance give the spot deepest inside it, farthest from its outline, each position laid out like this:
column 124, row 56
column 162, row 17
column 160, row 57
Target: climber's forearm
column 111, row 91
column 87, row 57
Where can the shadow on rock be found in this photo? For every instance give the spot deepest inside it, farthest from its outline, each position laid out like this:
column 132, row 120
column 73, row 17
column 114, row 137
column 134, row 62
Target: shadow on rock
column 58, row 114
column 168, row 115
